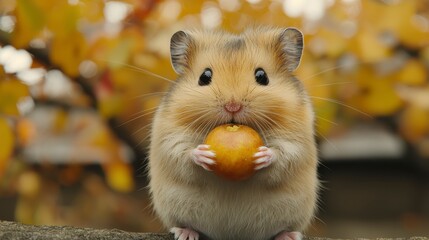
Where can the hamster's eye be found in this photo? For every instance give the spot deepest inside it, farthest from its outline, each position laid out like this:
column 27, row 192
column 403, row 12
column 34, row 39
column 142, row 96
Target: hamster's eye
column 206, row 77
column 261, row 77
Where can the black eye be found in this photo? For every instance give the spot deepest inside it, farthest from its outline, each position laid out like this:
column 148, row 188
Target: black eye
column 261, row 77
column 206, row 77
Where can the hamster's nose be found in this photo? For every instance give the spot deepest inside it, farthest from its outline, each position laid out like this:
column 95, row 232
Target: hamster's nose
column 232, row 107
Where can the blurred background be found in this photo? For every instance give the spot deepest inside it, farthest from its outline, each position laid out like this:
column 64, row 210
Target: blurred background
column 80, row 80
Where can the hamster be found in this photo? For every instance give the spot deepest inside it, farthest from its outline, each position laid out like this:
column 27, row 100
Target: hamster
column 244, row 79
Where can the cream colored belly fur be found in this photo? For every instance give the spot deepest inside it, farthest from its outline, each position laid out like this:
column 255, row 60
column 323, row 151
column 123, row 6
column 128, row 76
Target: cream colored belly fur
column 227, row 210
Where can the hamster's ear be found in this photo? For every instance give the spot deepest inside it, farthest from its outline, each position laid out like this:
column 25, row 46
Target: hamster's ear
column 291, row 42
column 180, row 46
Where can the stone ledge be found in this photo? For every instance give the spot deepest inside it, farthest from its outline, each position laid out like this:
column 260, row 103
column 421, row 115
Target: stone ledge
column 18, row 231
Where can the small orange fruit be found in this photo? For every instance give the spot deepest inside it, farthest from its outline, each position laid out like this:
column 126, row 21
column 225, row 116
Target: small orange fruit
column 234, row 146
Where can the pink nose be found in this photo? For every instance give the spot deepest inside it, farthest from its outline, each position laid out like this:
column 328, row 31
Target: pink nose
column 233, row 107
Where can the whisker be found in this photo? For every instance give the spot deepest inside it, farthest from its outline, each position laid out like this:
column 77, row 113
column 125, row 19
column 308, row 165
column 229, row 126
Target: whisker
column 201, row 115
column 138, row 69
column 147, row 95
column 269, row 122
column 149, row 111
column 325, row 70
column 327, row 120
column 327, row 140
column 207, row 126
column 261, row 130
column 277, row 114
column 330, row 84
column 193, row 90
column 144, row 138
column 140, row 129
column 194, row 110
column 143, row 111
column 342, row 104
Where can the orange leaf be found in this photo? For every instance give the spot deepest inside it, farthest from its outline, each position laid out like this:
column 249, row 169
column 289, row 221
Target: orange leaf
column 25, row 130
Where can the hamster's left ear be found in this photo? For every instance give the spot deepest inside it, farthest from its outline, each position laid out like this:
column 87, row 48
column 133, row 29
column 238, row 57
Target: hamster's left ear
column 292, row 44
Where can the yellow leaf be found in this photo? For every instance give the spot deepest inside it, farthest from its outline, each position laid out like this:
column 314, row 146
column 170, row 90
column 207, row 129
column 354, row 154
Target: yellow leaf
column 62, row 20
column 368, row 47
column 69, row 52
column 327, row 43
column 413, row 73
column 30, row 20
column 60, row 121
column 119, row 176
column 29, row 184
column 325, row 118
column 101, row 137
column 116, row 52
column 110, row 106
column 24, row 210
column 380, row 98
column 92, row 10
column 119, row 55
column 392, row 17
column 7, row 144
column 11, row 91
column 414, row 123
column 414, row 36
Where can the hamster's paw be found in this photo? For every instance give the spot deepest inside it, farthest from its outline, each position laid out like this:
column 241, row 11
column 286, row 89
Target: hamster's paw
column 285, row 235
column 264, row 157
column 184, row 233
column 202, row 156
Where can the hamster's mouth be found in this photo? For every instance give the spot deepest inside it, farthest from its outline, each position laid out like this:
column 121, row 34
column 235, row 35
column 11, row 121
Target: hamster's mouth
column 234, row 121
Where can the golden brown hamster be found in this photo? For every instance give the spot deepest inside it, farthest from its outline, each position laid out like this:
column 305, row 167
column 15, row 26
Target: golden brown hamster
column 245, row 79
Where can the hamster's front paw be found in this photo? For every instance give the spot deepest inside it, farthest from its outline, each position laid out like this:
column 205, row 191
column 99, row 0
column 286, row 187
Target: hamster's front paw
column 264, row 157
column 184, row 234
column 202, row 156
column 285, row 235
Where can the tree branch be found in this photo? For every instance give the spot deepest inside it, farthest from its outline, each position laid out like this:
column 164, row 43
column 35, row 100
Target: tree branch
column 42, row 56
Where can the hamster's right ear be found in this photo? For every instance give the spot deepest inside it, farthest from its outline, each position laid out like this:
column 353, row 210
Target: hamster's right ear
column 292, row 44
column 180, row 46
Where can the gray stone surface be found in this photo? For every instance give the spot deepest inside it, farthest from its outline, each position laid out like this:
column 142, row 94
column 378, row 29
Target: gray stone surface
column 17, row 231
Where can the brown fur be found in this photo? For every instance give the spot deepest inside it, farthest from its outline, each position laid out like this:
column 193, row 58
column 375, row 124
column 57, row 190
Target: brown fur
column 280, row 197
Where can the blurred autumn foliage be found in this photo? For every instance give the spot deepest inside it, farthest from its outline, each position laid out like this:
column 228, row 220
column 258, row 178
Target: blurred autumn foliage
column 79, row 79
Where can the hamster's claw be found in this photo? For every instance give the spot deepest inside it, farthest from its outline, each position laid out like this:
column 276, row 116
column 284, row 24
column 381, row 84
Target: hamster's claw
column 285, row 235
column 264, row 157
column 202, row 156
column 184, row 233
